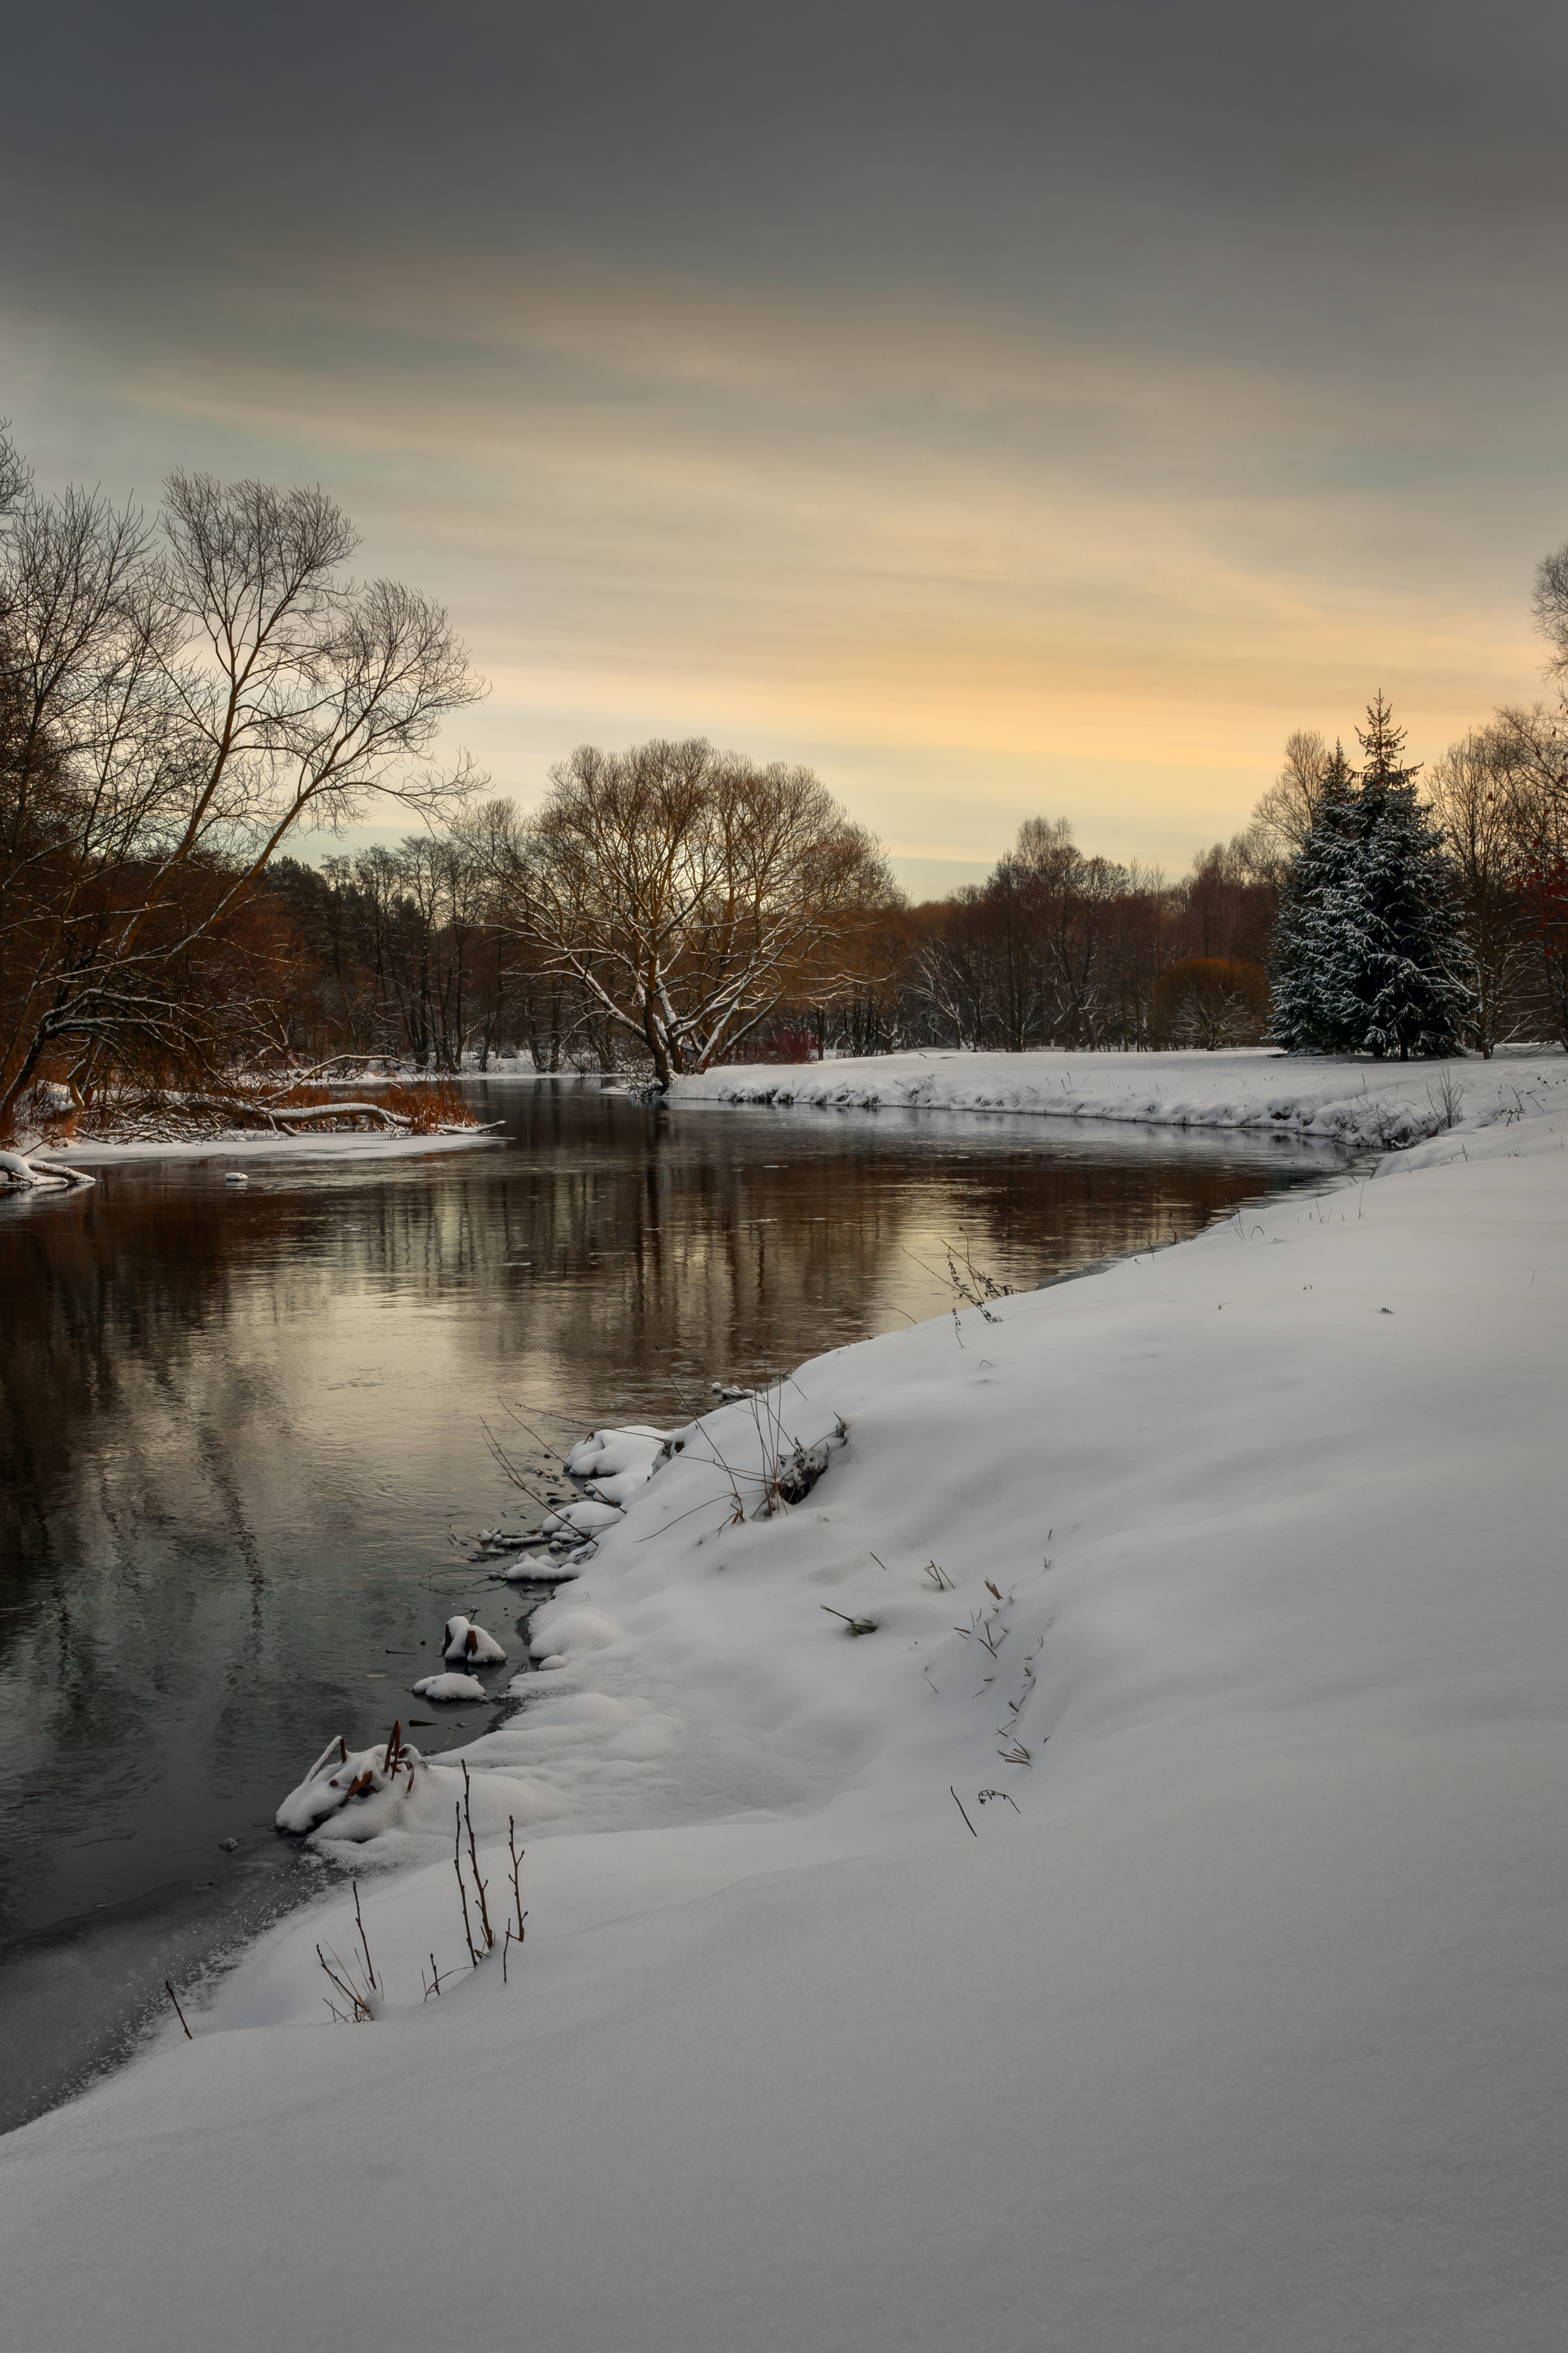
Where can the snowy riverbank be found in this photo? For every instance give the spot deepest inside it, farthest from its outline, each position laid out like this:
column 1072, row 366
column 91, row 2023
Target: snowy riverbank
column 1350, row 1101
column 1235, row 2021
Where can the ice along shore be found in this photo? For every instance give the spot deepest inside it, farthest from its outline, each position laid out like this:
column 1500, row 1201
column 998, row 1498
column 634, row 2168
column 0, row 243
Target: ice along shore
column 1149, row 1934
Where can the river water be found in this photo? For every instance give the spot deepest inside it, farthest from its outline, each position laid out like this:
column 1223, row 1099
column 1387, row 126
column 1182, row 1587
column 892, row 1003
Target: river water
column 244, row 1437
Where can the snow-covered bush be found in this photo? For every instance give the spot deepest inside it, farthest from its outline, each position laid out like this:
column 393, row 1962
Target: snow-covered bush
column 340, row 1778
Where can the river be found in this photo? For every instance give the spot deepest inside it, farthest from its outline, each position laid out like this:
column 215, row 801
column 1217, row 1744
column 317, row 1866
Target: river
column 245, row 1445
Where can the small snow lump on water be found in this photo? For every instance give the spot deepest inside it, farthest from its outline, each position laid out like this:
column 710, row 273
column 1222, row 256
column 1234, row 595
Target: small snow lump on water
column 470, row 1645
column 450, row 1687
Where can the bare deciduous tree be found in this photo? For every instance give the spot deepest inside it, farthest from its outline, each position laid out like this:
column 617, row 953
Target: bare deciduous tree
column 1474, row 791
column 176, row 700
column 688, row 893
column 1283, row 816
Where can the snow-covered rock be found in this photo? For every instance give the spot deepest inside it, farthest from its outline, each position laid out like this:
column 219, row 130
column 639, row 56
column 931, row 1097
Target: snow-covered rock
column 450, row 1686
column 467, row 1644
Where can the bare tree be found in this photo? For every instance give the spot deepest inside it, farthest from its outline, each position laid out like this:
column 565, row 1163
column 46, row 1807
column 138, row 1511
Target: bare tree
column 690, row 893
column 1531, row 748
column 1283, row 816
column 1479, row 795
column 1550, row 607
column 177, row 698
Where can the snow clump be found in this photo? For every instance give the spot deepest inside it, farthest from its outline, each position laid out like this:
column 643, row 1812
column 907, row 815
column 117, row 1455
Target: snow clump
column 450, row 1687
column 470, row 1644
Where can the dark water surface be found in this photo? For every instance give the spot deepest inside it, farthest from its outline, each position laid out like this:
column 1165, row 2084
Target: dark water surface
column 238, row 1427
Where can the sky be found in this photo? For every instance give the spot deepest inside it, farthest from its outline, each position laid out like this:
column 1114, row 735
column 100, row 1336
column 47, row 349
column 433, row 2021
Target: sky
column 1006, row 409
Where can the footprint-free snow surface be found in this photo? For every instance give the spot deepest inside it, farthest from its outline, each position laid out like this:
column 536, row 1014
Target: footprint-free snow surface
column 1148, row 1935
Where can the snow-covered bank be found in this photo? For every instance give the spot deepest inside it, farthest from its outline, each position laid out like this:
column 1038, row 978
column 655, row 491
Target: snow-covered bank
column 1350, row 1101
column 1230, row 2020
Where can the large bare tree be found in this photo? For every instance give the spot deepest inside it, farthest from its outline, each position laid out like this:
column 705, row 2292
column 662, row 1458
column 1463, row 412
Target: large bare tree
column 690, row 893
column 175, row 698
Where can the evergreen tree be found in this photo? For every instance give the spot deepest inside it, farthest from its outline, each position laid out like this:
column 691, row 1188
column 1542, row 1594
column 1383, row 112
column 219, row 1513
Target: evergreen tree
column 1306, row 971
column 1364, row 951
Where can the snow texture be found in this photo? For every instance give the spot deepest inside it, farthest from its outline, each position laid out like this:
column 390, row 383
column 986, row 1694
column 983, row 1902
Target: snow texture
column 1149, row 1936
column 1360, row 1104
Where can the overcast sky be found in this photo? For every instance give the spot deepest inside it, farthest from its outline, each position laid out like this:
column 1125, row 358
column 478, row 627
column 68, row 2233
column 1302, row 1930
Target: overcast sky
column 1006, row 408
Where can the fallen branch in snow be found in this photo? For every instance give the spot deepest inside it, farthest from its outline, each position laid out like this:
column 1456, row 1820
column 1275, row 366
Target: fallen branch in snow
column 958, row 1801
column 18, row 1171
column 179, row 2013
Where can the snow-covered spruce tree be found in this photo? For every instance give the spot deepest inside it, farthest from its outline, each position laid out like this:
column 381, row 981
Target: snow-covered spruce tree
column 1369, row 942
column 1307, row 974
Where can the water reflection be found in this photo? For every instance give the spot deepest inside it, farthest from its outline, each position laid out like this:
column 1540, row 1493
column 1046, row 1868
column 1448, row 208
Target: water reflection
column 240, row 1424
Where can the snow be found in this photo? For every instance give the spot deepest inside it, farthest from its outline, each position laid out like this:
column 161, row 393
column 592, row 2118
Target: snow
column 1242, row 2032
column 451, row 1687
column 531, row 1567
column 354, row 1794
column 1347, row 1100
column 462, row 1639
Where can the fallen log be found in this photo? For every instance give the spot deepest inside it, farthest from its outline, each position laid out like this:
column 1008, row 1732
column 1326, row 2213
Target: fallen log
column 16, row 1170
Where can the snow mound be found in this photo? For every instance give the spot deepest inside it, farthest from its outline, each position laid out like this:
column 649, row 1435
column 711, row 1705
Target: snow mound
column 465, row 1641
column 527, row 1565
column 563, row 1628
column 450, row 1687
column 585, row 1519
column 611, row 1453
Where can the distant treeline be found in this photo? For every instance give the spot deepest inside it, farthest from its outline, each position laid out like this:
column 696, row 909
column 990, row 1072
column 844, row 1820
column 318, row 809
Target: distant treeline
column 414, row 953
column 437, row 952
column 181, row 697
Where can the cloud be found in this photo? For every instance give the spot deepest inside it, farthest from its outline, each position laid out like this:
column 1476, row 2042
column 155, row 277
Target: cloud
column 1004, row 406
